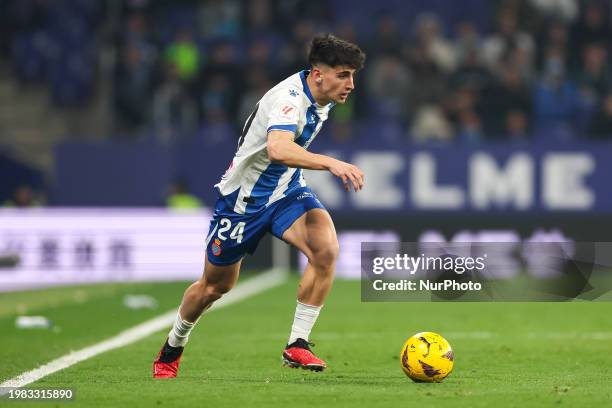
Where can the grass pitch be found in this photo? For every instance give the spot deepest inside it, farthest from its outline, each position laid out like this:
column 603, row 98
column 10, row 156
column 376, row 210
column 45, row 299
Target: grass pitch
column 507, row 354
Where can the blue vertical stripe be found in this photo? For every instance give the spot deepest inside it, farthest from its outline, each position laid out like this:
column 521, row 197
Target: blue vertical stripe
column 265, row 186
column 312, row 120
column 294, row 182
column 229, row 199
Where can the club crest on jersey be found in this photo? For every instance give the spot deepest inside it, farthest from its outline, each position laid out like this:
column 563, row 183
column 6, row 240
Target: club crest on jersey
column 288, row 111
column 293, row 92
column 216, row 247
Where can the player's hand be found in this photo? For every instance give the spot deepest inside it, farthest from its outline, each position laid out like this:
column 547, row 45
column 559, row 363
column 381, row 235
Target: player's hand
column 349, row 173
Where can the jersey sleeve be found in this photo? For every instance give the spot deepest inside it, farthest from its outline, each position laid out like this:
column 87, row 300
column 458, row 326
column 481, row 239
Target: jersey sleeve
column 284, row 115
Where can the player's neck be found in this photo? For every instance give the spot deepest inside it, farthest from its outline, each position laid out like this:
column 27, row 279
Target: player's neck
column 316, row 94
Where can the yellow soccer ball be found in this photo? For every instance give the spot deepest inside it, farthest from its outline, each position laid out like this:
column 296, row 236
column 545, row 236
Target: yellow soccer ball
column 427, row 357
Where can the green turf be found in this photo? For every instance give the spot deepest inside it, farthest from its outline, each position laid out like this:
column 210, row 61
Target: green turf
column 81, row 316
column 507, row 354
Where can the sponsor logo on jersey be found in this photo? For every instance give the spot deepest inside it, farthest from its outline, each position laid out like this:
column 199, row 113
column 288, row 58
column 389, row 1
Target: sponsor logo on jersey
column 287, row 111
column 293, row 92
column 305, row 194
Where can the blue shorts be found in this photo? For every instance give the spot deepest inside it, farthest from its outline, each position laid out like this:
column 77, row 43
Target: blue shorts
column 232, row 235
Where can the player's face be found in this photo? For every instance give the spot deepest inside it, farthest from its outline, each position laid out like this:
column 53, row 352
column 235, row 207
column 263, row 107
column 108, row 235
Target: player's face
column 337, row 83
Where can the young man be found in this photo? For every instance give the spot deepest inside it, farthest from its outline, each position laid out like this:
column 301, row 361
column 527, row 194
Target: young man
column 264, row 191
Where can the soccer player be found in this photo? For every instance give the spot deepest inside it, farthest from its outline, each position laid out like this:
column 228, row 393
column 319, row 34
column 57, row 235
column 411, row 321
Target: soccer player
column 264, row 191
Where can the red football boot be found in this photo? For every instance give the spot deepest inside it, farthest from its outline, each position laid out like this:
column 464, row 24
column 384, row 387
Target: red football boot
column 167, row 362
column 298, row 354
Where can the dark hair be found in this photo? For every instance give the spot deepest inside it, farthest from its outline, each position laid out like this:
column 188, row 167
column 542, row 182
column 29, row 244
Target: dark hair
column 333, row 51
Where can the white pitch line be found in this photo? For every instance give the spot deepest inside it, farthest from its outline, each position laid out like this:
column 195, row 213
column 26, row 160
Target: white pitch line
column 251, row 287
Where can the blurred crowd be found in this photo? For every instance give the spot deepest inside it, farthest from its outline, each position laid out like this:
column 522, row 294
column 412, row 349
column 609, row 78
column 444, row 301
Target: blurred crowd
column 467, row 71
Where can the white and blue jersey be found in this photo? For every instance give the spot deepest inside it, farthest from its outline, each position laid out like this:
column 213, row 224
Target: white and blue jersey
column 256, row 195
column 252, row 182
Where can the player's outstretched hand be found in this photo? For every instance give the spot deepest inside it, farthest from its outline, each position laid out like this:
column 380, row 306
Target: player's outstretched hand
column 349, row 173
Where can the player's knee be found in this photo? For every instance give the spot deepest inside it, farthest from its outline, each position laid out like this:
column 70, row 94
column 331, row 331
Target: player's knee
column 219, row 290
column 325, row 254
column 212, row 292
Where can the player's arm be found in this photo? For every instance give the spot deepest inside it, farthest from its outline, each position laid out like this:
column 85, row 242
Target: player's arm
column 282, row 149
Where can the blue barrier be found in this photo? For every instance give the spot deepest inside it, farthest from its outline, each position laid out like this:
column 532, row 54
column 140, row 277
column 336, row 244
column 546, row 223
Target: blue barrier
column 543, row 177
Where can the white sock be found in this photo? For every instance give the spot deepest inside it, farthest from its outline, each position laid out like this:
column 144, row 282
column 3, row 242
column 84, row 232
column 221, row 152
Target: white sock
column 179, row 334
column 305, row 318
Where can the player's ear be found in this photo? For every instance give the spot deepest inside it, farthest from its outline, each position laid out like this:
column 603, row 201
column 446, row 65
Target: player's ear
column 317, row 75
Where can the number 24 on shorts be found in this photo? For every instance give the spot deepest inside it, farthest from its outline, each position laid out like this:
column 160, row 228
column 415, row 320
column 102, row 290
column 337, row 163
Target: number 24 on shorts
column 236, row 234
